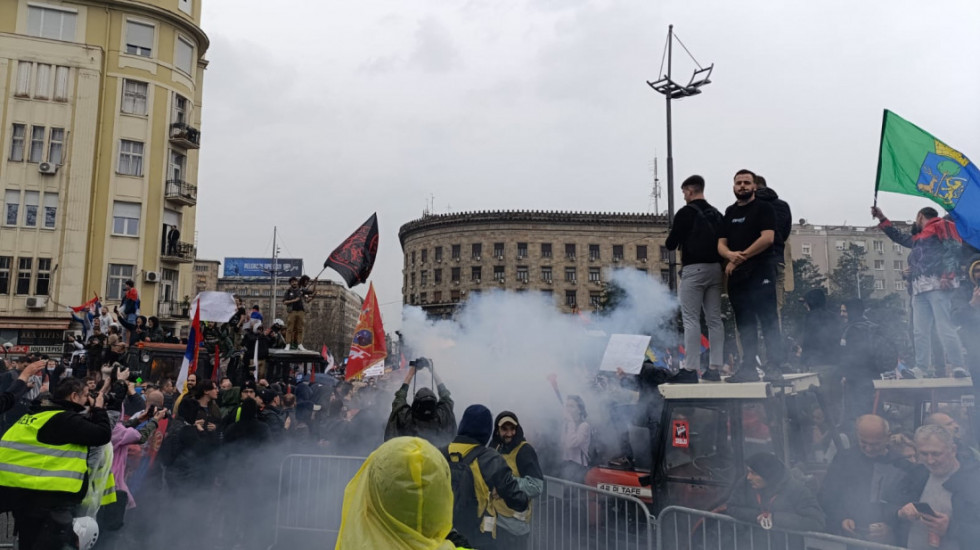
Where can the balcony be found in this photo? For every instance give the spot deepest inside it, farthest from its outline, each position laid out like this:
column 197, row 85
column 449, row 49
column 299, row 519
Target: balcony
column 180, row 253
column 185, row 136
column 181, row 192
column 173, row 310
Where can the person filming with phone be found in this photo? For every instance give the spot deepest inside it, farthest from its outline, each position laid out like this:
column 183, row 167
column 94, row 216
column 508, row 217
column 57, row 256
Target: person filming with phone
column 428, row 416
column 942, row 505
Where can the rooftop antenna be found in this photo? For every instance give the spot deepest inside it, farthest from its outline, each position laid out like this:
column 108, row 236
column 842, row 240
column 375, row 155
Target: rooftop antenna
column 655, row 192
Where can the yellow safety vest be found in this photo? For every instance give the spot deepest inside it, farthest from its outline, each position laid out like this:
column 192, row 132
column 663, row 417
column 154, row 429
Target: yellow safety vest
column 109, row 493
column 484, row 503
column 26, row 463
column 498, row 503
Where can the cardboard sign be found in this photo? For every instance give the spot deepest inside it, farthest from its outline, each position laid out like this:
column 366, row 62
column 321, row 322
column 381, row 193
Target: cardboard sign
column 625, row 351
column 682, row 434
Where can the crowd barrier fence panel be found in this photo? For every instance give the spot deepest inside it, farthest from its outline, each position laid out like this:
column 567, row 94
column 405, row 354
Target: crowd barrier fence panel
column 680, row 528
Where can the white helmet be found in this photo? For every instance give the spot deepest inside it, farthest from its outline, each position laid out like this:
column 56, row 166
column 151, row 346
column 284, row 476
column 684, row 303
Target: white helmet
column 87, row 531
column 278, row 323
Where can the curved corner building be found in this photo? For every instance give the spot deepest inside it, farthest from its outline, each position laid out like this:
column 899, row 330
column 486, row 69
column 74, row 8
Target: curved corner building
column 100, row 128
column 564, row 255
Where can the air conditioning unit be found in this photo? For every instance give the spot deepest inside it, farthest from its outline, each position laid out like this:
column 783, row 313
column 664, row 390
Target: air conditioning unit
column 37, row 302
column 477, row 281
column 456, row 259
column 47, row 168
column 478, row 258
column 152, row 276
column 439, row 261
column 501, row 281
column 456, row 283
column 644, row 260
column 549, row 282
column 523, row 281
column 500, row 257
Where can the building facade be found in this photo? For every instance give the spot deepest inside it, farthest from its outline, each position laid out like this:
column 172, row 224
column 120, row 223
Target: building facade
column 824, row 245
column 330, row 318
column 205, row 277
column 565, row 255
column 99, row 129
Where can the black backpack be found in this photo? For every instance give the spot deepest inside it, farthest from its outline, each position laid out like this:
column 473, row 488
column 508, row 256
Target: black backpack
column 464, row 486
column 707, row 230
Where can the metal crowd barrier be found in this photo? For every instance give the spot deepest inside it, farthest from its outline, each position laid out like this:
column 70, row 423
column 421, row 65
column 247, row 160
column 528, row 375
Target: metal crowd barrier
column 578, row 517
column 688, row 529
column 311, row 497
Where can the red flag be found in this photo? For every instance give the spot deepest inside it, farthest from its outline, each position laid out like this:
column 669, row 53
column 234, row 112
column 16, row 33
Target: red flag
column 368, row 346
column 196, row 338
column 217, row 364
column 354, row 258
column 86, row 305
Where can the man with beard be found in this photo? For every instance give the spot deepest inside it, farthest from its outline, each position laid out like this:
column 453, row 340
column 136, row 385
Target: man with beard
column 514, row 528
column 428, row 417
column 933, row 273
column 746, row 240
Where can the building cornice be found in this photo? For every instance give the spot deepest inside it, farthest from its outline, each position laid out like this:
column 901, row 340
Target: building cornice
column 433, row 221
column 203, row 42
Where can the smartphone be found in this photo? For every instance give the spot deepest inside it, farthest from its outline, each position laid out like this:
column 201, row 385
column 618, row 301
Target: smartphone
column 924, row 509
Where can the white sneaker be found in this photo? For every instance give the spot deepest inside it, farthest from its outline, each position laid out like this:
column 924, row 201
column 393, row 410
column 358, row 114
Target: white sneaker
column 300, row 347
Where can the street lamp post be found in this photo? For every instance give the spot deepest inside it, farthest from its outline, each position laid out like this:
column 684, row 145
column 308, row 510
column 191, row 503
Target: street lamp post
column 672, row 90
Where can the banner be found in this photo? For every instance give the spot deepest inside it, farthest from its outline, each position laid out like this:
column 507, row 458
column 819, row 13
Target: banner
column 368, row 346
column 261, row 268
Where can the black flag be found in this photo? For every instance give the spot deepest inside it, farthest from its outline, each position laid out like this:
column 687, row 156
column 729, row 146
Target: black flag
column 354, row 258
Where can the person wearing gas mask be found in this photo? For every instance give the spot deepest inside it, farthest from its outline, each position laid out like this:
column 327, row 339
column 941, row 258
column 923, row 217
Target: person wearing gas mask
column 429, row 416
column 933, row 276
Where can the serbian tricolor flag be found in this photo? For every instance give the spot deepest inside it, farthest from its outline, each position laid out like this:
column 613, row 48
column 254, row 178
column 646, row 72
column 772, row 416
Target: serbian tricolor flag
column 328, row 357
column 189, row 364
column 354, row 258
column 368, row 347
column 87, row 305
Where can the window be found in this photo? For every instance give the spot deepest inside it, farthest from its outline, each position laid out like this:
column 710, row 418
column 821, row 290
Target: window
column 454, row 274
column 43, row 282
column 665, row 276
column 879, row 265
column 593, row 252
column 51, row 23
column 424, row 277
column 425, row 255
column 423, row 298
column 521, row 250
column 545, row 250
column 571, row 298
column 437, row 276
column 437, row 297
column 898, row 265
column 24, row 275
column 839, row 245
column 178, row 163
column 664, row 255
column 641, row 252
column 61, row 83
column 454, row 295
column 548, row 294
column 569, row 274
column 498, row 250
column 899, row 285
column 879, row 284
column 522, row 273
column 438, row 254
column 126, row 218
column 180, row 110
column 896, row 247
column 130, row 158
column 863, row 245
column 878, row 246
column 595, row 299
column 595, row 275
column 412, row 279
column 139, row 39
column 413, row 257
column 476, row 273
column 56, row 146
column 5, row 262
column 12, row 207
column 184, row 57
column 118, row 274
column 31, row 199
column 42, row 83
column 184, row 6
column 23, row 88
column 456, row 251
column 806, row 249
column 618, row 253
column 546, row 274
column 498, row 273
column 17, row 142
column 476, row 251
column 37, row 144
column 134, row 97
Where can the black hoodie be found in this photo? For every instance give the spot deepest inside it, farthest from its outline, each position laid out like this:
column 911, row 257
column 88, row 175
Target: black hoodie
column 427, row 417
column 784, row 220
column 527, row 458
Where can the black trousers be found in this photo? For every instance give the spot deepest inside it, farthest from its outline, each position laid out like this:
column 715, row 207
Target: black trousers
column 753, row 296
column 44, row 528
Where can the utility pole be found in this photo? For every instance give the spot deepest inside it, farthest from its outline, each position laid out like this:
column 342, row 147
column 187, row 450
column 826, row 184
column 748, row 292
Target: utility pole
column 275, row 272
column 656, row 189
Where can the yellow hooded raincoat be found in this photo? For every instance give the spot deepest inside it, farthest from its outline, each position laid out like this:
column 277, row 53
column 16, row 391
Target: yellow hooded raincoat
column 400, row 499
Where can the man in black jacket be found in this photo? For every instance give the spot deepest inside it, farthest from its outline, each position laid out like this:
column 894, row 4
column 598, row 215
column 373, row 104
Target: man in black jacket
column 853, row 491
column 45, row 490
column 784, row 226
column 514, row 528
column 429, row 417
column 477, row 471
column 695, row 232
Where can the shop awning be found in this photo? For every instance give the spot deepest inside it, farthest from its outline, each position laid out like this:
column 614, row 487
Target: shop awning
column 34, row 323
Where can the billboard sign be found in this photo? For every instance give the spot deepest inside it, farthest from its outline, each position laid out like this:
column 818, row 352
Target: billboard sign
column 261, row 268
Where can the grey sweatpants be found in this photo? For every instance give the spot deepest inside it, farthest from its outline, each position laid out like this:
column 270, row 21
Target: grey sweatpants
column 700, row 289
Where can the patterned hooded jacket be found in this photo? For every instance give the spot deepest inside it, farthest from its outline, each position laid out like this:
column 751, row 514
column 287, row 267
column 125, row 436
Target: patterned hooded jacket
column 935, row 257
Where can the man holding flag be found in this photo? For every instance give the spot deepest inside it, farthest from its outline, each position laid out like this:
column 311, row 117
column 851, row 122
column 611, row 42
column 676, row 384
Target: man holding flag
column 913, row 162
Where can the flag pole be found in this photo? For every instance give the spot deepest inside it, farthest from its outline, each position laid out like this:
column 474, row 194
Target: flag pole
column 881, row 150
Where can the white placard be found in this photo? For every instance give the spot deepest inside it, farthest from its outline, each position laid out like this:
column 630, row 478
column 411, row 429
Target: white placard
column 625, row 351
column 376, row 370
